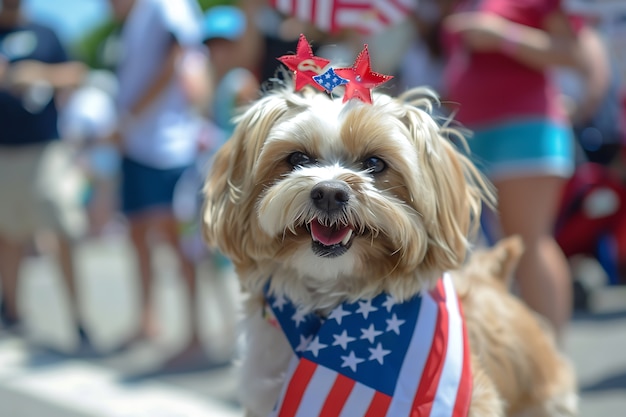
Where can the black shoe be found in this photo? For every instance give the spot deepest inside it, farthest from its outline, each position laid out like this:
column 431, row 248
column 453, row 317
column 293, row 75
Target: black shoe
column 85, row 348
column 8, row 322
column 82, row 336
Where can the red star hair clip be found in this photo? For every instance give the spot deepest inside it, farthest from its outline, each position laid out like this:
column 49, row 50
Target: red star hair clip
column 309, row 69
column 305, row 65
column 361, row 78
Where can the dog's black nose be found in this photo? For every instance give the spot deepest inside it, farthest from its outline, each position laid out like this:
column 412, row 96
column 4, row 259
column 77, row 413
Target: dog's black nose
column 330, row 195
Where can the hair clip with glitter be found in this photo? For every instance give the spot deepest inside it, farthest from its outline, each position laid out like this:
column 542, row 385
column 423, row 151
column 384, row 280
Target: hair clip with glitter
column 309, row 69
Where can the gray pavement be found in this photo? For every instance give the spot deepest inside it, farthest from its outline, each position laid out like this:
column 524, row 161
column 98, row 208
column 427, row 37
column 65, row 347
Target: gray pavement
column 36, row 381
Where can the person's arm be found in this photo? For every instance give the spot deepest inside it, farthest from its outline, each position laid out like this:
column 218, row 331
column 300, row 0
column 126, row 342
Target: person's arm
column 24, row 74
column 197, row 78
column 167, row 70
column 162, row 79
column 190, row 66
column 596, row 74
column 557, row 44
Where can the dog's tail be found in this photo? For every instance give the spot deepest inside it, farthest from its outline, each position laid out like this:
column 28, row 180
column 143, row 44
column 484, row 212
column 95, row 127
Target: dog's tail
column 506, row 255
column 493, row 266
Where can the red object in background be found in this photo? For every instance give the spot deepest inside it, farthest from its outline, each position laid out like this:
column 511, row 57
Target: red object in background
column 593, row 208
column 366, row 16
column 592, row 205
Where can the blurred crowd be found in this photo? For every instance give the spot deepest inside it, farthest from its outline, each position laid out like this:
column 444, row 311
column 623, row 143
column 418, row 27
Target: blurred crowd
column 113, row 135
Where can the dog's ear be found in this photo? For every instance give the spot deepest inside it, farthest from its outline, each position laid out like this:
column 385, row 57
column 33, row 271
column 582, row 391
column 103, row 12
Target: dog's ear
column 460, row 192
column 229, row 188
column 456, row 189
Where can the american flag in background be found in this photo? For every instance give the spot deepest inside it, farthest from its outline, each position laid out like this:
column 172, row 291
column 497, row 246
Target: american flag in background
column 377, row 358
column 366, row 16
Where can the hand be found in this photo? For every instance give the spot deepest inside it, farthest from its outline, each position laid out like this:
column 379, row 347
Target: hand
column 483, row 32
column 114, row 139
column 24, row 74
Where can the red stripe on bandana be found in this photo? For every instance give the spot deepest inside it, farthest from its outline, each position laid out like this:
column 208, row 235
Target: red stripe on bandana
column 379, row 405
column 338, row 396
column 423, row 400
column 297, row 387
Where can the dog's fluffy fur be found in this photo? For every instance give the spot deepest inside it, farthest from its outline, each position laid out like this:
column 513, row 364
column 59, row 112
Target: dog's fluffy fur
column 512, row 345
column 341, row 201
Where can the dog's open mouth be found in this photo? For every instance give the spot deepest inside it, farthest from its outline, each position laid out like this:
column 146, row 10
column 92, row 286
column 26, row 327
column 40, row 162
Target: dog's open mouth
column 330, row 241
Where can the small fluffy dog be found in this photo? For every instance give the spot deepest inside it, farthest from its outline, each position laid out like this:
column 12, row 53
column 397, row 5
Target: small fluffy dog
column 339, row 213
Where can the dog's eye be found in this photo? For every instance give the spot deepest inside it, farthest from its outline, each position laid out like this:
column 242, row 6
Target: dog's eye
column 298, row 159
column 374, row 165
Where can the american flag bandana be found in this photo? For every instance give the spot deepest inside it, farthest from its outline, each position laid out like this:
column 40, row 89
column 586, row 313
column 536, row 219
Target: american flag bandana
column 377, row 358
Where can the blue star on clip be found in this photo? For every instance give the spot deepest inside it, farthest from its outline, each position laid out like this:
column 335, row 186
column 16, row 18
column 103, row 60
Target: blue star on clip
column 329, row 80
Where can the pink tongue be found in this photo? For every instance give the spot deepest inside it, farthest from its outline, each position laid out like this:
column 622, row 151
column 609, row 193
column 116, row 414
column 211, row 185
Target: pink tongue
column 328, row 235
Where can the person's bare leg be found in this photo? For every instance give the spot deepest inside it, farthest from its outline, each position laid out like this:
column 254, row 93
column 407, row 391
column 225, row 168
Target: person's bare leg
column 139, row 228
column 169, row 228
column 528, row 207
column 193, row 354
column 68, row 272
column 11, row 256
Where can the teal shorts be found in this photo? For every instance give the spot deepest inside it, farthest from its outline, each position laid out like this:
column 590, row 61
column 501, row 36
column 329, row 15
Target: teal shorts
column 524, row 148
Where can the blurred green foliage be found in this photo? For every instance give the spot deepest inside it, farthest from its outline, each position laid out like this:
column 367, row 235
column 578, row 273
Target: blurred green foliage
column 97, row 47
column 206, row 4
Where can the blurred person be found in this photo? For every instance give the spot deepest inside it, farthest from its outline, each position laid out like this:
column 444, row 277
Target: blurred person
column 500, row 54
column 86, row 121
column 158, row 138
column 39, row 182
column 235, row 50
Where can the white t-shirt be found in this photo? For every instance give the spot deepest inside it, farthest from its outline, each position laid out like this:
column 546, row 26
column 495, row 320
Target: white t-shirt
column 165, row 135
